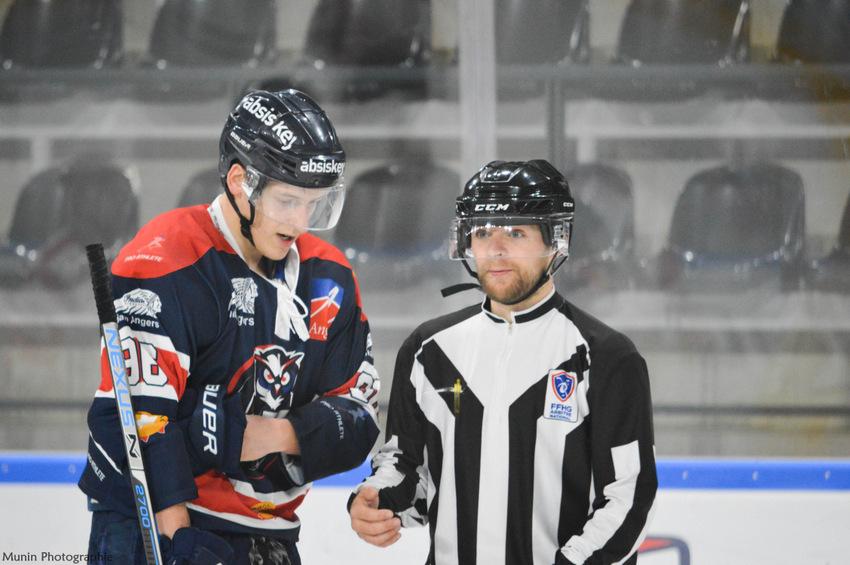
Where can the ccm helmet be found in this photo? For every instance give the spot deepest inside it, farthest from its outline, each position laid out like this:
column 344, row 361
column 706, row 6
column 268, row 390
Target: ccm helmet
column 506, row 194
column 286, row 137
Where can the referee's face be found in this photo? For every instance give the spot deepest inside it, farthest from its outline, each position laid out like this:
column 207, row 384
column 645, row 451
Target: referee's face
column 509, row 261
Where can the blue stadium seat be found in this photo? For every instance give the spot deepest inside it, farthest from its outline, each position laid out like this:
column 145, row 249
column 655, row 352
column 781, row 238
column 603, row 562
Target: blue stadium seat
column 207, row 33
column 213, row 32
column 382, row 33
column 603, row 244
column 695, row 32
column 536, row 32
column 37, row 218
column 832, row 273
column 61, row 210
column 539, row 32
column 396, row 221
column 735, row 229
column 202, row 188
column 62, row 33
column 815, row 32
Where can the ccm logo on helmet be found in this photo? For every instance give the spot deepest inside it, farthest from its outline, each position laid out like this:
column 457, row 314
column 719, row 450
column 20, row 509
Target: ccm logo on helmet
column 311, row 166
column 491, row 207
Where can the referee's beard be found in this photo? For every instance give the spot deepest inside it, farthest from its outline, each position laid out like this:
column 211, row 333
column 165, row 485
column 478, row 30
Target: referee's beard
column 507, row 280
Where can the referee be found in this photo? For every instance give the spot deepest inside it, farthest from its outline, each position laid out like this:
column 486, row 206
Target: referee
column 520, row 429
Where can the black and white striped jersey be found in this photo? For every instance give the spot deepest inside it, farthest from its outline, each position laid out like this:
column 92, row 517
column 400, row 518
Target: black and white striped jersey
column 516, row 439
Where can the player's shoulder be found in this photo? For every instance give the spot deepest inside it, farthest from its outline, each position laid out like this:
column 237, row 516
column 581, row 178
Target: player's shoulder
column 321, row 260
column 602, row 339
column 170, row 242
column 428, row 329
column 325, row 270
column 313, row 248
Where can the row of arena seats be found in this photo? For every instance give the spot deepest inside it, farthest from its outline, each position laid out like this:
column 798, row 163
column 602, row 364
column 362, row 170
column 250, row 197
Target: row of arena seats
column 58, row 212
column 88, row 33
column 732, row 228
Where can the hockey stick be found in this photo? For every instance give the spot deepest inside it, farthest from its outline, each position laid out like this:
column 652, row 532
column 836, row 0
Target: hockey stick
column 102, row 286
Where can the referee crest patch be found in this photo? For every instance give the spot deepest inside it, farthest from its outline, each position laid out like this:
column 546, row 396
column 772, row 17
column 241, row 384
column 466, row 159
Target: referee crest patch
column 560, row 400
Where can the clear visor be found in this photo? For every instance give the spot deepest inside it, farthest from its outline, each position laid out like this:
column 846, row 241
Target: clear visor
column 302, row 208
column 506, row 236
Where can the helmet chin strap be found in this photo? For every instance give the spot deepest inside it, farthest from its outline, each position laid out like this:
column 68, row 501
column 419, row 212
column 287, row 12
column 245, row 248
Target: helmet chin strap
column 244, row 223
column 455, row 288
column 547, row 273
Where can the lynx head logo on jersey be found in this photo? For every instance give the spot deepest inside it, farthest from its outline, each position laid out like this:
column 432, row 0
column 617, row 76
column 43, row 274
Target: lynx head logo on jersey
column 241, row 306
column 275, row 371
column 139, row 301
column 563, row 384
column 325, row 302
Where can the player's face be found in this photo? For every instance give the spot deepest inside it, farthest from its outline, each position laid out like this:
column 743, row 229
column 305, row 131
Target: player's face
column 509, row 261
column 283, row 212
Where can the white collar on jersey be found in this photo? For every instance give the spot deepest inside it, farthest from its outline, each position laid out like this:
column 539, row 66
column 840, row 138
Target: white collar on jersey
column 291, row 310
column 521, row 315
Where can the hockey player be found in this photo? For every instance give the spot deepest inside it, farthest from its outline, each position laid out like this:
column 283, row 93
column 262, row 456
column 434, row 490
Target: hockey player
column 247, row 350
column 520, row 429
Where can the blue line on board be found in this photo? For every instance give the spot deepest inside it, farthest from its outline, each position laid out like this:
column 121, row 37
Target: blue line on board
column 715, row 474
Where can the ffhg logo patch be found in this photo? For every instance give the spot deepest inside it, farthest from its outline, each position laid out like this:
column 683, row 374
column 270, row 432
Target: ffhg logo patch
column 560, row 400
column 563, row 383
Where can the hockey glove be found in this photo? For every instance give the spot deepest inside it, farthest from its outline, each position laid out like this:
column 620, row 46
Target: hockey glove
column 215, row 430
column 196, row 547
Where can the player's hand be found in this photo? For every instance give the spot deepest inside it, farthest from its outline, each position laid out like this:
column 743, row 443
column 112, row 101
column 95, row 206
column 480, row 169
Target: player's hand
column 268, row 435
column 191, row 546
column 376, row 526
column 257, row 438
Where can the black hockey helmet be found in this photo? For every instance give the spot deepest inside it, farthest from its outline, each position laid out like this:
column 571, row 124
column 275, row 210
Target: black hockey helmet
column 503, row 194
column 511, row 193
column 284, row 136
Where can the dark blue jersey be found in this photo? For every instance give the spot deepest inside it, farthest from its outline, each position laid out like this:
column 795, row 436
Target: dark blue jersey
column 195, row 318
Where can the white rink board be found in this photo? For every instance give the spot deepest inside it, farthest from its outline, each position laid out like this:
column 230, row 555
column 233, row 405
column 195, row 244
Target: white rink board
column 720, row 527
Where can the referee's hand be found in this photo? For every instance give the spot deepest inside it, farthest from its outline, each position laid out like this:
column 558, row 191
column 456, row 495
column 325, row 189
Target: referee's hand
column 378, row 527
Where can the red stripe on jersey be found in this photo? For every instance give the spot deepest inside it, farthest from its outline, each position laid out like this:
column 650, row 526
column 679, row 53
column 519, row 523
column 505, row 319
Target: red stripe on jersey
column 105, row 372
column 357, row 294
column 344, row 387
column 167, row 363
column 310, row 246
column 170, row 242
column 217, row 494
column 234, row 380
